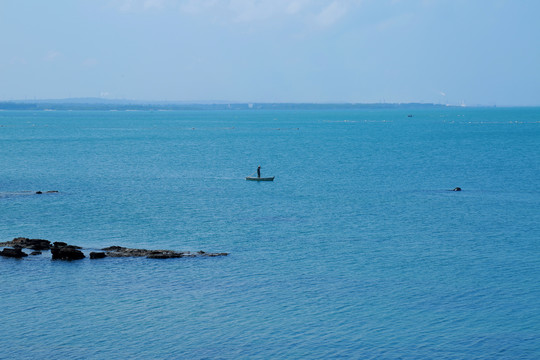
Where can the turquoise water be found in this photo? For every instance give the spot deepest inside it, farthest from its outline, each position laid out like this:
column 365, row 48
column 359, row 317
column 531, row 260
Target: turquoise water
column 355, row 251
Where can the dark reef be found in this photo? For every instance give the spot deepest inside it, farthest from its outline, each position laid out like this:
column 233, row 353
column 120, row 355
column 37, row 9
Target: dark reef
column 63, row 251
column 118, row 251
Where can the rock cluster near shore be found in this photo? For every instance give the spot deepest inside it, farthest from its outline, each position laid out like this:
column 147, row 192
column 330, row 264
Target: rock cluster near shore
column 63, row 251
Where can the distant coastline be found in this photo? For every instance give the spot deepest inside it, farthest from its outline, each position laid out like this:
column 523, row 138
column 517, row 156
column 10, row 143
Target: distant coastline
column 124, row 105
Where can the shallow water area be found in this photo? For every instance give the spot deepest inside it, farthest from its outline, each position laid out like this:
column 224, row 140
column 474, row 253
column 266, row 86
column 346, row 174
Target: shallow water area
column 357, row 249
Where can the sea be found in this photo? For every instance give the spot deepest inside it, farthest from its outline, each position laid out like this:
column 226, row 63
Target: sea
column 357, row 250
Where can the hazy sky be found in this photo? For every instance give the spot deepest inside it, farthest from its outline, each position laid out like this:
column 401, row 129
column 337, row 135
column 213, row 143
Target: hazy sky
column 442, row 51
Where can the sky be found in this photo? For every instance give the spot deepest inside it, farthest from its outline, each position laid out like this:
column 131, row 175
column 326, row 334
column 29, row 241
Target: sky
column 472, row 52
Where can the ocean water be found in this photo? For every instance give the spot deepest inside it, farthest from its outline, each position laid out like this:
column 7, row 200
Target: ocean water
column 357, row 250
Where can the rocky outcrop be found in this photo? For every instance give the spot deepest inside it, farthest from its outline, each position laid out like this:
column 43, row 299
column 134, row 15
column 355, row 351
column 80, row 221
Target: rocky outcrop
column 13, row 253
column 67, row 253
column 34, row 244
column 63, row 251
column 164, row 255
column 118, row 251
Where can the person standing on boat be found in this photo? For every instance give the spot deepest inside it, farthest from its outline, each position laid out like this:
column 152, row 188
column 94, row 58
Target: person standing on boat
column 259, row 171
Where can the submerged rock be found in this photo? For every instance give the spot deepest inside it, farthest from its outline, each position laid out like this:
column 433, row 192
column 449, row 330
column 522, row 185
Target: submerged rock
column 217, row 254
column 119, row 251
column 13, row 252
column 159, row 255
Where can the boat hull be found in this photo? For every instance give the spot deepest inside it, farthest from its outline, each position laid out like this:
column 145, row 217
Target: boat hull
column 260, row 178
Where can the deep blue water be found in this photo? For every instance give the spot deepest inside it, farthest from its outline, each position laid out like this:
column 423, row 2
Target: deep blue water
column 357, row 250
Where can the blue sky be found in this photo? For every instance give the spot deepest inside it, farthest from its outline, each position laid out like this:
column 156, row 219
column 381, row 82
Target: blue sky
column 479, row 52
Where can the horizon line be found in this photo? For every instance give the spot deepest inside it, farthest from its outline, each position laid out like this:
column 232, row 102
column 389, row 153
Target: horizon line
column 97, row 100
column 119, row 101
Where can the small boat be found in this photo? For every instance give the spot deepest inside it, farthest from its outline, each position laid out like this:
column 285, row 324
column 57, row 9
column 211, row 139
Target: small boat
column 260, row 178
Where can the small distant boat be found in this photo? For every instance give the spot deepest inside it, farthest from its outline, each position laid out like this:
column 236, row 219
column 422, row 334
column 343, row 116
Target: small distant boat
column 260, row 178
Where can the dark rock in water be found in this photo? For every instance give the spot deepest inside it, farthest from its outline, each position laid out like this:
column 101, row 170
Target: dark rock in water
column 61, row 244
column 35, row 253
column 63, row 251
column 39, row 192
column 113, row 248
column 217, row 254
column 14, row 253
column 97, row 255
column 40, row 245
column 164, row 256
column 67, row 253
column 34, row 244
column 456, row 189
column 118, row 251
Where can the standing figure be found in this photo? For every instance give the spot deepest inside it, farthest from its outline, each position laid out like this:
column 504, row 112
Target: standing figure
column 259, row 172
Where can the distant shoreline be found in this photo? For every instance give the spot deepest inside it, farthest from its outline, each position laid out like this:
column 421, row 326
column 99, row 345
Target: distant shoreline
column 96, row 104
